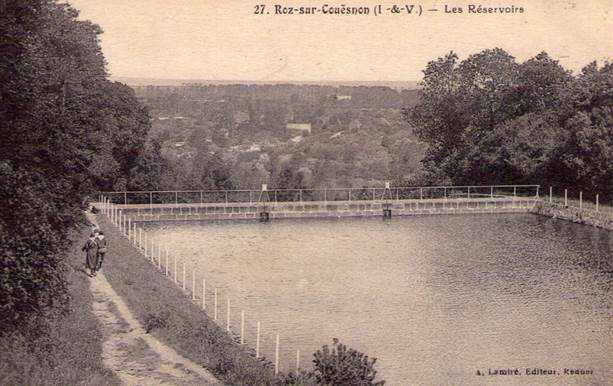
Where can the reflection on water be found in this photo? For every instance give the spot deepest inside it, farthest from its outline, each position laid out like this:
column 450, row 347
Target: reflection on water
column 434, row 298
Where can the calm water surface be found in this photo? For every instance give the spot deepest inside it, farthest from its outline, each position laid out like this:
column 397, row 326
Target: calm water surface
column 433, row 298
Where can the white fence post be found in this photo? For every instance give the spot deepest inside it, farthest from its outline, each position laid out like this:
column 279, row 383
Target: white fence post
column 193, row 284
column 242, row 327
column 183, row 275
column 297, row 361
column 228, row 316
column 257, row 342
column 277, row 355
column 140, row 238
column 565, row 197
column 159, row 257
column 215, row 305
column 166, row 261
column 550, row 194
column 581, row 200
column 596, row 203
column 203, row 294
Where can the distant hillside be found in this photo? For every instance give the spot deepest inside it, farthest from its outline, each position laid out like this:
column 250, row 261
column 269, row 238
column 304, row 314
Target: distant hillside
column 134, row 81
column 288, row 135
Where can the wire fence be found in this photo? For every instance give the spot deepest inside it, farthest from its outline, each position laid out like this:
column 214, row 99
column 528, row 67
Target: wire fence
column 387, row 193
column 228, row 314
column 589, row 202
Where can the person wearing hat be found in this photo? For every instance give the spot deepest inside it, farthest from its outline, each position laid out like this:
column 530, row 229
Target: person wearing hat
column 102, row 247
column 91, row 254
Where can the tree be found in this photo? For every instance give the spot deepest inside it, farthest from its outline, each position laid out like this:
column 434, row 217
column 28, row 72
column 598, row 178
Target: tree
column 66, row 132
column 491, row 120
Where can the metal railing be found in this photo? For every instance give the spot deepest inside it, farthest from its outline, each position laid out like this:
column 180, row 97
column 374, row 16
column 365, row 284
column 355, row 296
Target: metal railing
column 321, row 195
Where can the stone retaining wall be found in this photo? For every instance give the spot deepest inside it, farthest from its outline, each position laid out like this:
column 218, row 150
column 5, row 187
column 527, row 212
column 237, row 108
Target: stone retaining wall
column 576, row 215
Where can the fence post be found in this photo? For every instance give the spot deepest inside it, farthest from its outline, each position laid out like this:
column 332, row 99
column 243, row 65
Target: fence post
column 468, row 193
column 140, row 238
column 596, row 203
column 277, row 355
column 166, row 261
column 325, row 194
column 215, row 305
column 152, row 250
column 159, row 257
column 203, row 294
column 297, row 361
column 580, row 199
column 228, row 316
column 183, row 275
column 550, row 194
column 565, row 197
column 130, row 228
column 193, row 284
column 226, row 196
column 421, row 193
column 257, row 342
column 491, row 191
column 537, row 190
column 125, row 198
column 176, row 198
column 514, row 191
column 373, row 193
column 242, row 327
column 151, row 202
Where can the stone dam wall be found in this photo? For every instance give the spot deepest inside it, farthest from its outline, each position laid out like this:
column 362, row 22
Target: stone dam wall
column 331, row 209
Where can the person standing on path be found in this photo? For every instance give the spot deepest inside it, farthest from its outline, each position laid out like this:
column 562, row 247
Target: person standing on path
column 102, row 248
column 91, row 254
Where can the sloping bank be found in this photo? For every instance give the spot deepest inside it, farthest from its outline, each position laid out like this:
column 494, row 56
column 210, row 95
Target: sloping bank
column 61, row 349
column 576, row 215
column 168, row 314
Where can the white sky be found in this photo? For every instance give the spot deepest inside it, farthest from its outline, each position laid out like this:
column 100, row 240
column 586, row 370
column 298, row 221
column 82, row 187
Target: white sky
column 225, row 40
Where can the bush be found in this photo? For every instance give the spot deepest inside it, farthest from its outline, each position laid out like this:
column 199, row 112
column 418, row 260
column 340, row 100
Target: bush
column 344, row 366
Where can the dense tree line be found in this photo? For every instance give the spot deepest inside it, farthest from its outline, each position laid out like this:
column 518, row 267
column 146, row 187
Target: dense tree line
column 488, row 119
column 66, row 131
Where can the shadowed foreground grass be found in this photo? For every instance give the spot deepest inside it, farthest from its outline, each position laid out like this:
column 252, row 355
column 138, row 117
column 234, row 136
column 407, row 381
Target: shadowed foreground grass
column 164, row 310
column 59, row 349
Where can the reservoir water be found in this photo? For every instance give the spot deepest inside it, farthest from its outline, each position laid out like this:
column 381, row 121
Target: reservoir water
column 435, row 299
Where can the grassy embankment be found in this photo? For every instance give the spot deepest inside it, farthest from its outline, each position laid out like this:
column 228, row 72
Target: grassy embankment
column 60, row 349
column 165, row 310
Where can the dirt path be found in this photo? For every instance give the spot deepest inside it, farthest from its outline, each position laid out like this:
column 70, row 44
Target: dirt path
column 136, row 357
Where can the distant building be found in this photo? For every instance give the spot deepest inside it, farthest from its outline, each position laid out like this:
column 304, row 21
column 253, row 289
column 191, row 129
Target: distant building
column 241, row 117
column 298, row 127
column 343, row 97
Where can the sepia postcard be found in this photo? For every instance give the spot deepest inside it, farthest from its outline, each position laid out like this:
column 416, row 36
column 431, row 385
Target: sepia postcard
column 306, row 192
